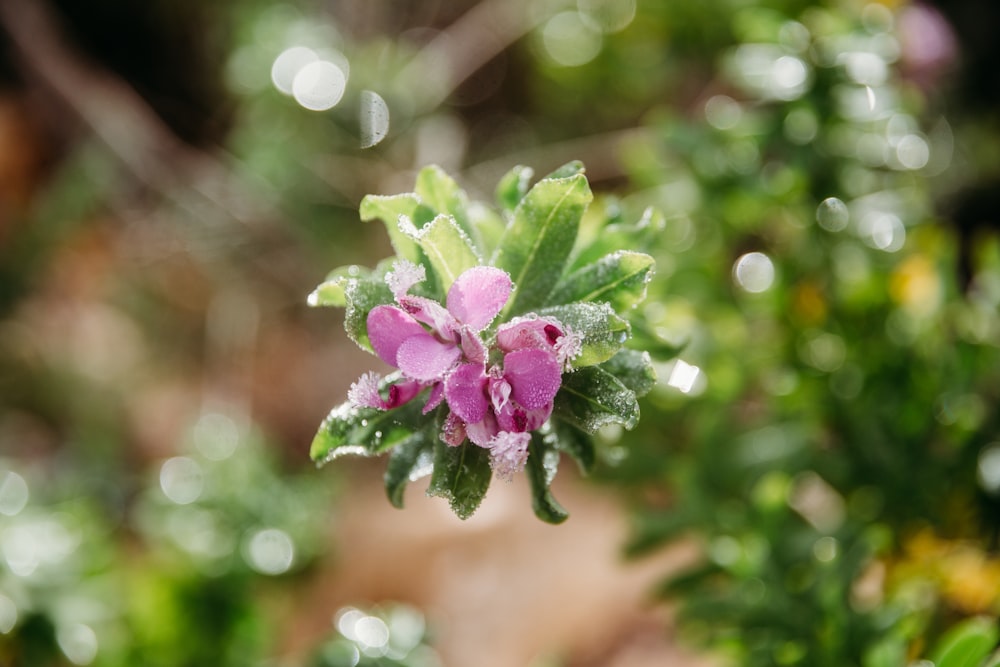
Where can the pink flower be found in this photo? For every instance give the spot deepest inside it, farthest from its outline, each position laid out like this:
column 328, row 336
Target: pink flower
column 426, row 340
column 542, row 333
column 498, row 409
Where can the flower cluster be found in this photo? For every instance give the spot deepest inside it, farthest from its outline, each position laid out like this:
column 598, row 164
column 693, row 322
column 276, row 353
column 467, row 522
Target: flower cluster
column 496, row 393
column 510, row 332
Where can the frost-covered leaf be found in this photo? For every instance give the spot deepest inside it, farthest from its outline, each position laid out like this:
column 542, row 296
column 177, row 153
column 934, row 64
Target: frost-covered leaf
column 634, row 369
column 597, row 241
column 388, row 209
column 572, row 168
column 439, row 192
column 446, row 246
column 461, row 475
column 619, row 278
column 591, row 398
column 603, row 331
column 513, row 186
column 574, row 442
column 331, row 292
column 363, row 431
column 538, row 241
column 541, row 470
column 361, row 295
column 408, row 461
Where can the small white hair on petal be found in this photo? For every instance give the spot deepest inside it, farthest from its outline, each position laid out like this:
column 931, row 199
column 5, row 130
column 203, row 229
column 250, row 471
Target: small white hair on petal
column 569, row 346
column 404, row 275
column 509, row 453
column 364, row 392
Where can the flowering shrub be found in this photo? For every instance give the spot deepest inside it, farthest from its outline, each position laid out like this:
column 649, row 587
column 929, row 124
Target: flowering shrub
column 507, row 332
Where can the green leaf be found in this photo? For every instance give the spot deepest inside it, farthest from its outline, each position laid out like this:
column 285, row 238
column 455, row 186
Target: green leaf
column 513, row 186
column 439, row 192
column 634, row 369
column 461, row 475
column 591, row 398
column 331, row 292
column 596, row 241
column 541, row 469
column 388, row 209
column 537, row 243
column 619, row 278
column 364, row 431
column 407, row 461
column 574, row 442
column 447, row 247
column 361, row 295
column 569, row 169
column 967, row 644
column 603, row 331
column 644, row 337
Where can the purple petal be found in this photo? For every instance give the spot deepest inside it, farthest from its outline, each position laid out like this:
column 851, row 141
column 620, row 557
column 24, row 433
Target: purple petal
column 423, row 357
column 482, row 433
column 516, row 419
column 453, row 430
column 388, row 327
column 534, row 377
column 431, row 313
column 472, row 345
column 478, row 295
column 528, row 333
column 465, row 391
column 402, row 392
column 434, row 398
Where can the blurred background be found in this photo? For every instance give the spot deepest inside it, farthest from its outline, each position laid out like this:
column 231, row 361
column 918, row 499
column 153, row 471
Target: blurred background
column 815, row 479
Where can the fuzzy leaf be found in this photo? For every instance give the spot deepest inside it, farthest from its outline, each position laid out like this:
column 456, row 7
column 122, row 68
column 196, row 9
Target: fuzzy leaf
column 536, row 245
column 541, row 469
column 634, row 369
column 513, row 186
column 591, row 398
column 439, row 192
column 361, row 295
column 461, row 475
column 602, row 330
column 619, row 279
column 407, row 461
column 447, row 247
column 574, row 442
column 363, row 431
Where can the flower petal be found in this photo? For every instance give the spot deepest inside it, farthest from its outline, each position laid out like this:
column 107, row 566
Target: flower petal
column 388, row 327
column 431, row 313
column 532, row 332
column 482, row 433
column 465, row 391
column 478, row 295
column 534, row 376
column 453, row 430
column 434, row 398
column 516, row 419
column 423, row 357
